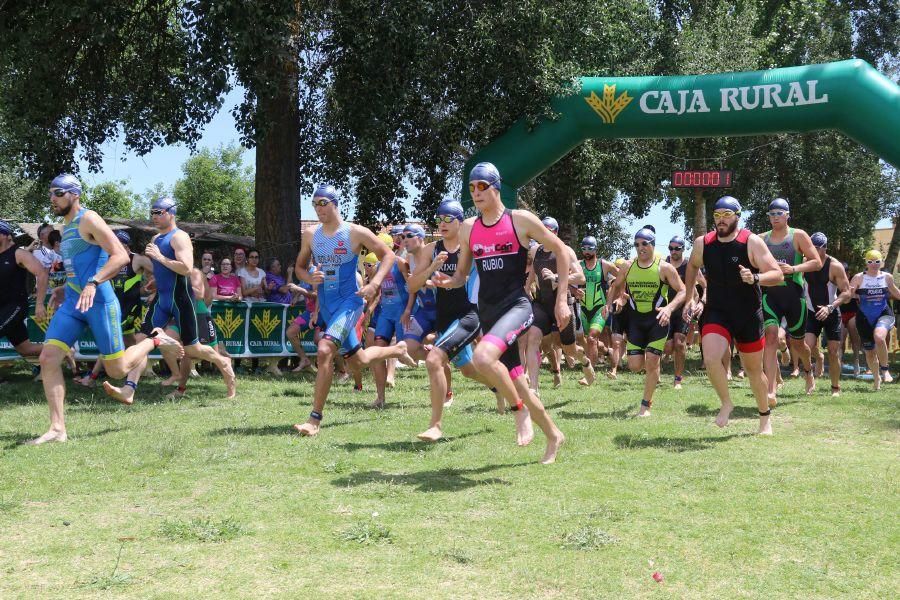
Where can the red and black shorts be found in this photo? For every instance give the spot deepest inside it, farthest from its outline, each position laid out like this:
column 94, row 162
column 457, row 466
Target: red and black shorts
column 743, row 327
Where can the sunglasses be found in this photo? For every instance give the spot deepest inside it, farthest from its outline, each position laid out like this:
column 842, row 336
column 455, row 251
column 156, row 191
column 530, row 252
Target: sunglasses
column 676, row 248
column 588, row 249
column 777, row 213
column 641, row 244
column 478, row 185
column 411, row 236
column 321, row 201
column 723, row 214
column 59, row 193
column 157, row 212
column 445, row 218
column 873, row 262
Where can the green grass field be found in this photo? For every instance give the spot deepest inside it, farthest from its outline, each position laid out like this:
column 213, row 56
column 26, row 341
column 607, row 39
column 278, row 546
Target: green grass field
column 206, row 497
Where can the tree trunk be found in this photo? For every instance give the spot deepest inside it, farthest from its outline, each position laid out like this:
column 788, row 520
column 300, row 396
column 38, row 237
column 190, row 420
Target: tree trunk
column 699, row 214
column 890, row 261
column 277, row 192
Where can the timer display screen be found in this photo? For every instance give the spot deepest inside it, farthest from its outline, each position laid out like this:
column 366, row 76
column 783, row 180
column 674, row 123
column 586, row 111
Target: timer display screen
column 702, row 179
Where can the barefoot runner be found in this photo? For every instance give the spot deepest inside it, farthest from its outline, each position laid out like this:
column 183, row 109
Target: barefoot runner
column 544, row 271
column 498, row 242
column 92, row 256
column 15, row 264
column 875, row 288
column 794, row 252
column 825, row 317
column 646, row 280
column 737, row 262
column 172, row 255
column 456, row 317
column 334, row 246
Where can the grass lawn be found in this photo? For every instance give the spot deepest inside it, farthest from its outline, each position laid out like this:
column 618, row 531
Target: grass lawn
column 207, row 497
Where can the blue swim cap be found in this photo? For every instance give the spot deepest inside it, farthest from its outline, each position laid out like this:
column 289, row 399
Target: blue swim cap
column 650, row 227
column 589, row 243
column 416, row 229
column 166, row 203
column 67, row 182
column 326, row 191
column 452, row 208
column 728, row 203
column 819, row 240
column 6, row 228
column 677, row 240
column 485, row 171
column 779, row 204
column 123, row 236
column 396, row 230
column 551, row 224
column 646, row 235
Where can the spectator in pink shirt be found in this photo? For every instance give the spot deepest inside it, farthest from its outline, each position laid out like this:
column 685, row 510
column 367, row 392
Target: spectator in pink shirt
column 225, row 284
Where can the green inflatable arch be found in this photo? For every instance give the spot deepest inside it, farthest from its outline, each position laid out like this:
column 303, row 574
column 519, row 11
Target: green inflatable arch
column 849, row 96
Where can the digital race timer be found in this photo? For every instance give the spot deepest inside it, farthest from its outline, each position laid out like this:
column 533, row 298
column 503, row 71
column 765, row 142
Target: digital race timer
column 702, row 179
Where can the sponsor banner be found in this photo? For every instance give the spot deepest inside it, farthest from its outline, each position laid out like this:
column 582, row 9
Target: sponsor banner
column 247, row 330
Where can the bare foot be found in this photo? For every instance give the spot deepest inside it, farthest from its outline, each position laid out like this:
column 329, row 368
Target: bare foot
column 274, row 370
column 795, row 373
column 389, row 383
column 557, row 380
column 741, row 374
column 175, row 395
column 772, row 400
column 887, row 377
column 589, row 375
column 308, row 429
column 124, row 394
column 677, row 385
column 304, row 366
column 611, row 375
column 230, row 380
column 765, row 425
column 448, row 401
column 85, row 381
column 432, row 434
column 810, row 383
column 377, row 404
column 644, row 411
column 724, row 414
column 50, row 436
column 524, row 428
column 553, row 446
column 835, row 391
column 168, row 346
column 405, row 358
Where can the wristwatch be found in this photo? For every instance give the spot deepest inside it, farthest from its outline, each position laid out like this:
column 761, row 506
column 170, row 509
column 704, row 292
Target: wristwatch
column 92, row 281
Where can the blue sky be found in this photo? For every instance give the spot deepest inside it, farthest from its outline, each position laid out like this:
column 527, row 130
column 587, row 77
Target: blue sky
column 163, row 165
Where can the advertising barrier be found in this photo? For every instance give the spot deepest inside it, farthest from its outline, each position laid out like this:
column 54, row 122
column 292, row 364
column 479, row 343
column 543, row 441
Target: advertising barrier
column 249, row 330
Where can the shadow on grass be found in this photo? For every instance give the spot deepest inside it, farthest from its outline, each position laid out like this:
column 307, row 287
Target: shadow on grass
column 18, row 439
column 437, row 480
column 739, row 412
column 617, row 414
column 557, row 405
column 276, row 429
column 670, row 444
column 409, row 445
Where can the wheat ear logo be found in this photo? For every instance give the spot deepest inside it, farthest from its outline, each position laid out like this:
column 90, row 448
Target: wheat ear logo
column 43, row 325
column 266, row 324
column 609, row 107
column 229, row 322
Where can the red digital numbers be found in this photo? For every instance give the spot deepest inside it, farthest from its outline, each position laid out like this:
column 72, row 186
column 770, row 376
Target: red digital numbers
column 701, row 179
